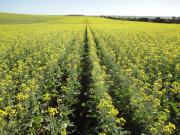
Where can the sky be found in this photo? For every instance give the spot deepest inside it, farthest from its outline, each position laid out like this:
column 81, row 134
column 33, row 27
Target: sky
column 93, row 7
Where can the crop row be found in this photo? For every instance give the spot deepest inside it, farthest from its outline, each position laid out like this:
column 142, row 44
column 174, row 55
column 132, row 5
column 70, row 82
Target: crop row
column 145, row 78
column 39, row 82
column 100, row 104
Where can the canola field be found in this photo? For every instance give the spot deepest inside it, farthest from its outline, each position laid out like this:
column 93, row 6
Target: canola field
column 78, row 75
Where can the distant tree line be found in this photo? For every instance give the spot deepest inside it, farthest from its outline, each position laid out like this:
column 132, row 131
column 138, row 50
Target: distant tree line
column 74, row 15
column 146, row 19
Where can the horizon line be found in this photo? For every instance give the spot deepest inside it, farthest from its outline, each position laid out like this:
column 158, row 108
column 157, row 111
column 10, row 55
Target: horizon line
column 86, row 14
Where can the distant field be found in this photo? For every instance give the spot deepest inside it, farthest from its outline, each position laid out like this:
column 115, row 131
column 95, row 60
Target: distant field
column 80, row 75
column 25, row 19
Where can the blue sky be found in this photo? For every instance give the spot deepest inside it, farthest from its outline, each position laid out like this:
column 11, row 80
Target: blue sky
column 93, row 7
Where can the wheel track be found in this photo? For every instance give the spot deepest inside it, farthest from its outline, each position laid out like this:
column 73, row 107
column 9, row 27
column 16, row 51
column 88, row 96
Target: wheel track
column 80, row 118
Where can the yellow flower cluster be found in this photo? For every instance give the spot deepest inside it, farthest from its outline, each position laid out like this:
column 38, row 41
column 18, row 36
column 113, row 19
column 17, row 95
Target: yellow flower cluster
column 107, row 104
column 169, row 128
column 22, row 96
column 102, row 133
column 63, row 132
column 121, row 120
column 52, row 111
column 3, row 113
column 46, row 97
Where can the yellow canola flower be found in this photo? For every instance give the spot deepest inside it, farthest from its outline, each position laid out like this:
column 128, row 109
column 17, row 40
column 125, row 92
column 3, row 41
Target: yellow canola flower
column 166, row 110
column 52, row 111
column 19, row 107
column 21, row 96
column 13, row 111
column 3, row 113
column 10, row 110
column 63, row 132
column 46, row 97
column 1, row 99
column 104, row 103
column 8, row 77
column 121, row 120
column 169, row 129
column 33, row 84
column 102, row 133
column 113, row 111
